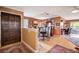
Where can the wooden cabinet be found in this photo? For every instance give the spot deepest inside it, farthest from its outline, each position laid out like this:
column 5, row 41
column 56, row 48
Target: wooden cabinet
column 10, row 28
column 57, row 29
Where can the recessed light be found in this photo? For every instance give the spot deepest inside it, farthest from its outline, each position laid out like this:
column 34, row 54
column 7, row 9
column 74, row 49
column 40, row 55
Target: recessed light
column 75, row 11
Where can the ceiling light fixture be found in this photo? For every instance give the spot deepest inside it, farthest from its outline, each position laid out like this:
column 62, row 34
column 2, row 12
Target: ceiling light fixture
column 76, row 9
column 45, row 15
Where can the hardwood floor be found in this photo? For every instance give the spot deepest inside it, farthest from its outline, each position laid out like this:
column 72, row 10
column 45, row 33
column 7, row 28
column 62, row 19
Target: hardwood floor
column 56, row 40
column 16, row 48
column 60, row 49
column 44, row 46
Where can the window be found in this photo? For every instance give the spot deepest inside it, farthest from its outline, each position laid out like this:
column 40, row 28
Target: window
column 75, row 25
column 25, row 23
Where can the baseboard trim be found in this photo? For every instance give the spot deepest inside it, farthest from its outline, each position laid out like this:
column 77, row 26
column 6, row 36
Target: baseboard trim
column 10, row 45
column 29, row 47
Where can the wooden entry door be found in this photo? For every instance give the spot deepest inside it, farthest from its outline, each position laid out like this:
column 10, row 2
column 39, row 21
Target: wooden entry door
column 10, row 28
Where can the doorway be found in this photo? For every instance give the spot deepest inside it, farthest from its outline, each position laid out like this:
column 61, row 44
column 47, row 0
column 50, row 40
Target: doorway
column 10, row 28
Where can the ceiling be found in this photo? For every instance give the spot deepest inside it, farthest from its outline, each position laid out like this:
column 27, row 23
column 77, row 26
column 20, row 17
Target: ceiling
column 37, row 11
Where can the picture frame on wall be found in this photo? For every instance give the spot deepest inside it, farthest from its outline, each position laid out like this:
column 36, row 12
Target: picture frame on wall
column 57, row 24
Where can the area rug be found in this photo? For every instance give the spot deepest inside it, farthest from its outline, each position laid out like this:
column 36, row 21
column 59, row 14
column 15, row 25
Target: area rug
column 18, row 48
column 60, row 49
column 74, row 38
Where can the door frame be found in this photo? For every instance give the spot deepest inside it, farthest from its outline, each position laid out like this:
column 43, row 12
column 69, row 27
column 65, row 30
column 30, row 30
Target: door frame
column 11, row 11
